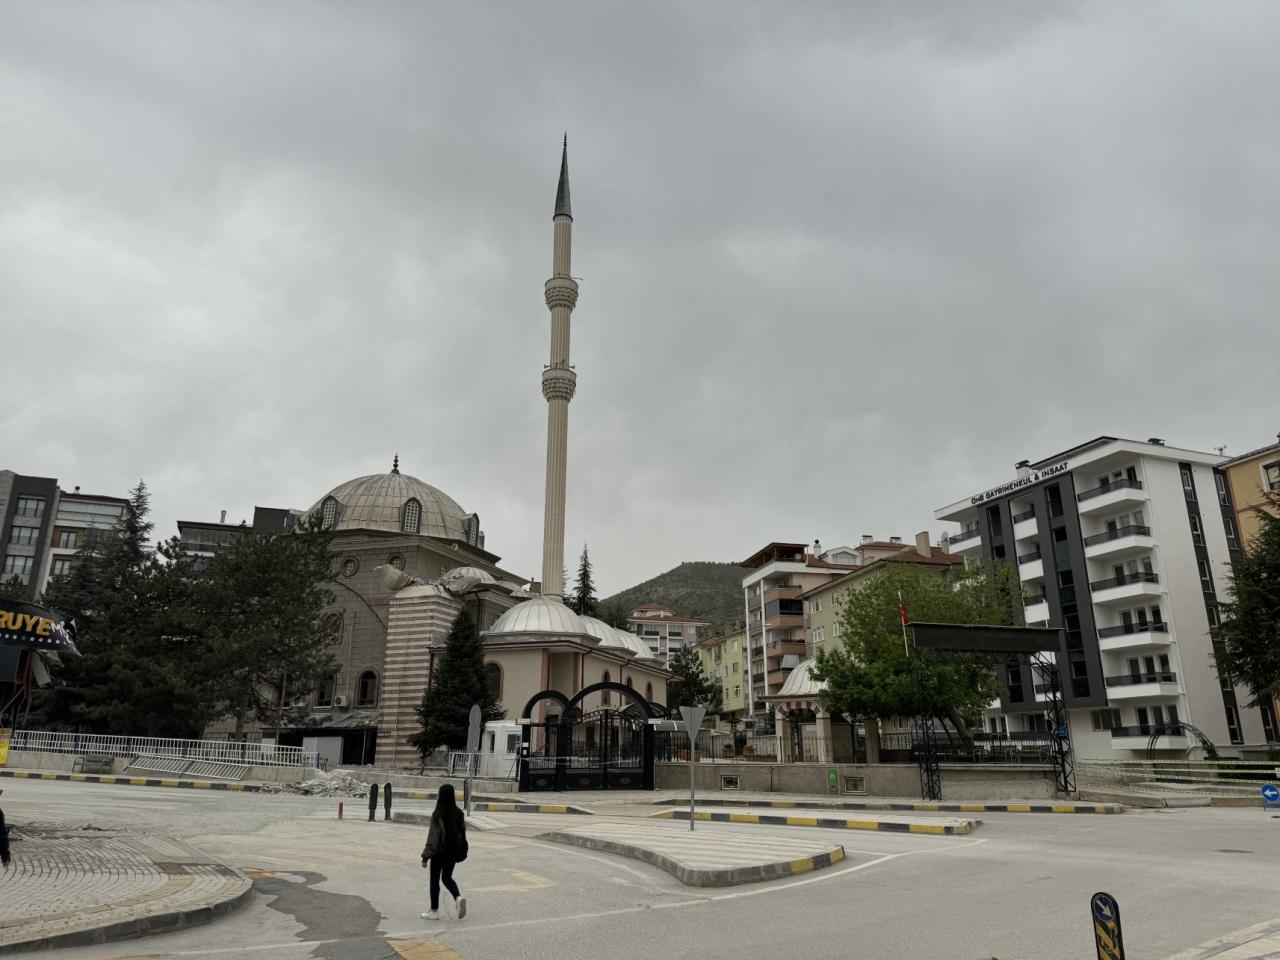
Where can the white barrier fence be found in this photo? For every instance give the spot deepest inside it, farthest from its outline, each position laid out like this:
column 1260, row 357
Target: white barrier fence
column 1233, row 774
column 225, row 751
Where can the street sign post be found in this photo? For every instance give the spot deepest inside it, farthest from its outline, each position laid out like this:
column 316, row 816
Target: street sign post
column 692, row 724
column 1270, row 796
column 473, row 747
column 1106, row 927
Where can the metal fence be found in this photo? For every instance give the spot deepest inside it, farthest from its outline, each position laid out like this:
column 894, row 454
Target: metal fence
column 715, row 747
column 1233, row 775
column 981, row 748
column 226, row 751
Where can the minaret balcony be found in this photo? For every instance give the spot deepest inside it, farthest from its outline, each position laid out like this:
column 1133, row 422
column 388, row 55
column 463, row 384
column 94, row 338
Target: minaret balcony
column 561, row 292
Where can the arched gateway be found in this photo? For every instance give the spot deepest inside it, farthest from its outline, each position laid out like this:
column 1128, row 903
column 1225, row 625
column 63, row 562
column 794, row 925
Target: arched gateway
column 607, row 749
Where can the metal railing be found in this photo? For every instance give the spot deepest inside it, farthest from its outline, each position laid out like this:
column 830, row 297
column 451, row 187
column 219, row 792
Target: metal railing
column 1029, row 515
column 227, row 751
column 1124, row 580
column 965, row 535
column 1124, row 630
column 1108, row 487
column 1029, row 557
column 1236, row 775
column 1035, row 598
column 1129, row 530
column 1133, row 679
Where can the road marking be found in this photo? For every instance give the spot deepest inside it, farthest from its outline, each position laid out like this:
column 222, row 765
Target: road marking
column 528, row 881
column 423, row 950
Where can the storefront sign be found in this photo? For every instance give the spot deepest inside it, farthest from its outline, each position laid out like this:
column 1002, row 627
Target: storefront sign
column 32, row 627
column 1034, row 477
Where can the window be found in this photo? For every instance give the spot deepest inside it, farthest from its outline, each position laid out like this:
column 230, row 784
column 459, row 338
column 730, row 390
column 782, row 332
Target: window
column 18, row 565
column 1271, row 476
column 411, row 517
column 737, row 690
column 1105, row 719
column 1268, row 723
column 1205, row 574
column 648, row 692
column 329, row 513
column 1197, row 534
column 1233, row 724
column 350, row 566
column 30, row 507
column 1188, row 484
column 367, row 690
column 24, row 536
column 324, row 695
column 1211, row 612
column 1221, row 482
column 493, row 679
column 817, row 604
column 61, row 567
column 605, row 695
column 1013, row 680
column 1229, row 525
column 67, row 540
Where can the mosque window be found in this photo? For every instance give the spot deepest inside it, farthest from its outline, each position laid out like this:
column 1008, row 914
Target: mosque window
column 367, row 690
column 493, row 678
column 350, row 566
column 329, row 512
column 648, row 692
column 411, row 517
column 396, row 561
column 605, row 698
column 324, row 696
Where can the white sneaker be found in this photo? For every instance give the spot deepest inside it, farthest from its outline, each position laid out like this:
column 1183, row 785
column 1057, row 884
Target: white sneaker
column 461, row 904
column 430, row 915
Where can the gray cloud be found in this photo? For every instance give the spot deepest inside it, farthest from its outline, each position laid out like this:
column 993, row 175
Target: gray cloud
column 841, row 263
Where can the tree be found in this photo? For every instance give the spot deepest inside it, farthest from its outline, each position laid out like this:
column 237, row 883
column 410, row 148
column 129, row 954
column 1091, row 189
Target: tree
column 873, row 676
column 262, row 612
column 15, row 589
column 583, row 600
column 1251, row 618
column 458, row 681
column 689, row 686
column 614, row 614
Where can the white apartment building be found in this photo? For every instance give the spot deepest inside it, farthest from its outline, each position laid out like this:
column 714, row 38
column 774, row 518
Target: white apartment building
column 665, row 631
column 78, row 517
column 1127, row 547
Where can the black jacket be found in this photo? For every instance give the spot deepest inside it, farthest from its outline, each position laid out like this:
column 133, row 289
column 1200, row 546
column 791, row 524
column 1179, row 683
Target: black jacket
column 435, row 836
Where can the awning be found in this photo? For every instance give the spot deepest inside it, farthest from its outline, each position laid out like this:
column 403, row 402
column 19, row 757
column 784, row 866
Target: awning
column 29, row 626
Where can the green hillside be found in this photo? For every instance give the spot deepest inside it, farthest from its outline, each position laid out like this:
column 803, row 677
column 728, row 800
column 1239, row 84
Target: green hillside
column 699, row 589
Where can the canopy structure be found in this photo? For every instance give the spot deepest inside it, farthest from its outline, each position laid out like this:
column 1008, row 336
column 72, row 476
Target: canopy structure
column 29, row 626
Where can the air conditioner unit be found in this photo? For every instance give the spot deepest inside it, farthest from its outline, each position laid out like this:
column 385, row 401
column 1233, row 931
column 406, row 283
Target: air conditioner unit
column 341, row 702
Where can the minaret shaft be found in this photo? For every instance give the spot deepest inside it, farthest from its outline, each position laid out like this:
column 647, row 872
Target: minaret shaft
column 559, row 382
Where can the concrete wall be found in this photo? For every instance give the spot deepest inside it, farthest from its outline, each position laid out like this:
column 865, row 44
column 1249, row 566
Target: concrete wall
column 65, row 763
column 959, row 782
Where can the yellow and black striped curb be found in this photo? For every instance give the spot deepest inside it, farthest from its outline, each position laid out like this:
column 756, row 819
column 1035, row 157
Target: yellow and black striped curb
column 912, row 806
column 132, row 781
column 829, row 823
column 697, row 876
column 423, row 817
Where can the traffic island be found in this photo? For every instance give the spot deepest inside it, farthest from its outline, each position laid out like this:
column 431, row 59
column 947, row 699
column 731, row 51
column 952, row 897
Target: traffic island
column 709, row 859
column 938, row 826
column 910, row 806
column 79, row 887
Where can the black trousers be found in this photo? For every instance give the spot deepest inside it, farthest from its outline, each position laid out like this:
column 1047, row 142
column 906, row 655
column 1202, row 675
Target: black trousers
column 442, row 870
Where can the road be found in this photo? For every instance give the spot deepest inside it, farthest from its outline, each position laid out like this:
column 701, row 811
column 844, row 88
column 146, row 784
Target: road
column 1016, row 888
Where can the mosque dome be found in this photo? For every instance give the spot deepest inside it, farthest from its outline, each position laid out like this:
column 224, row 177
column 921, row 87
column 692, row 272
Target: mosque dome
column 397, row 503
column 800, row 683
column 540, row 615
column 602, row 632
column 635, row 647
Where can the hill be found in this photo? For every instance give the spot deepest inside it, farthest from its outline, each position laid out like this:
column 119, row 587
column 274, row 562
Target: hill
column 698, row 589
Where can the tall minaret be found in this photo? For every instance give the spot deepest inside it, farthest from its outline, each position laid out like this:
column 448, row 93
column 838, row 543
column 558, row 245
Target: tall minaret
column 558, row 384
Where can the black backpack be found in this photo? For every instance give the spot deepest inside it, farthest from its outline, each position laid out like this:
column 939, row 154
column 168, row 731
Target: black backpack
column 454, row 843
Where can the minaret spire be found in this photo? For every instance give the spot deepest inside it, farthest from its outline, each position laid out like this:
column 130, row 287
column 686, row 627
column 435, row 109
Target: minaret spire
column 559, row 381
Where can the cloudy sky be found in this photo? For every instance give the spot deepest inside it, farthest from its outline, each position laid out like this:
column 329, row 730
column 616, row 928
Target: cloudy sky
column 841, row 263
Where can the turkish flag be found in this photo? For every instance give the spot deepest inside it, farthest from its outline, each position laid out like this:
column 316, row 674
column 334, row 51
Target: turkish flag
column 902, row 610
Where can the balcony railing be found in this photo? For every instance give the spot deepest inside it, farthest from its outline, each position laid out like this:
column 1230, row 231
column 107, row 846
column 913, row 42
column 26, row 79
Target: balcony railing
column 1165, row 730
column 1029, row 557
column 1133, row 679
column 1123, row 580
column 1125, row 629
column 1035, row 598
column 964, row 535
column 1029, row 515
column 1129, row 530
column 1108, row 487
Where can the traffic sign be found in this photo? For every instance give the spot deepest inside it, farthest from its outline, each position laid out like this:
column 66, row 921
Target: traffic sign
column 1106, row 927
column 693, row 722
column 1271, row 793
column 473, row 729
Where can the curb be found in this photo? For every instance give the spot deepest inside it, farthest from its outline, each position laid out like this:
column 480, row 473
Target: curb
column 412, row 816
column 693, row 877
column 920, row 806
column 170, row 922
column 830, row 823
column 133, row 781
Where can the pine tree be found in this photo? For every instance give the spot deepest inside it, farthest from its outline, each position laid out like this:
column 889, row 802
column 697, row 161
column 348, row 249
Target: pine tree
column 1251, row 618
column 459, row 680
column 15, row 589
column 583, row 601
column 689, row 687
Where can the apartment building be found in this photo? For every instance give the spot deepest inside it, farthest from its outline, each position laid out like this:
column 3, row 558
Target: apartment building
column 44, row 526
column 724, row 661
column 664, row 630
column 1126, row 546
column 1251, row 476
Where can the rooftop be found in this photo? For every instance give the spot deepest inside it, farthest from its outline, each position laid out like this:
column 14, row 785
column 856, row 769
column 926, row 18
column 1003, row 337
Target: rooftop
column 909, row 556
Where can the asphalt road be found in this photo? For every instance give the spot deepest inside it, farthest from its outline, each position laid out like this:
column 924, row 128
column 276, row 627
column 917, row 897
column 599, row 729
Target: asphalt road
column 1018, row 887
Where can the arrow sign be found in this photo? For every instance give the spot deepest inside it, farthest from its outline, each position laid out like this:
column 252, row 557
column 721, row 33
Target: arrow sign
column 1106, row 927
column 1271, row 793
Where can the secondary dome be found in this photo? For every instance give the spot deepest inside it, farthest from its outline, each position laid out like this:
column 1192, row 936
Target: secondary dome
column 397, row 503
column 637, row 648
column 540, row 615
column 602, row 632
column 800, row 683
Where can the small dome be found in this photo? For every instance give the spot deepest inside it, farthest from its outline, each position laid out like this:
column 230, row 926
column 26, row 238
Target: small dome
column 484, row 576
column 799, row 683
column 635, row 647
column 514, row 588
column 381, row 502
column 601, row 631
column 540, row 615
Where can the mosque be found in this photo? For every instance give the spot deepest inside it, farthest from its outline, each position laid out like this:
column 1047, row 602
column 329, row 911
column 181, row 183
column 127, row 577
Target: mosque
column 408, row 558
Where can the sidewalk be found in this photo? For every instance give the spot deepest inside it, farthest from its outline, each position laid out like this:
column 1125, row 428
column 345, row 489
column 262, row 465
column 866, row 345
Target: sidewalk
column 710, row 858
column 893, row 823
column 70, row 888
column 1259, row 942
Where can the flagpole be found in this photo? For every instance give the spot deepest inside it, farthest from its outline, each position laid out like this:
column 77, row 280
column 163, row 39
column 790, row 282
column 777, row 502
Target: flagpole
column 902, row 615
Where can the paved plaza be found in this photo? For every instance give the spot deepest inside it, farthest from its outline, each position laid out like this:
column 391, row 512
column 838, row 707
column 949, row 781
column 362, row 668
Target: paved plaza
column 1200, row 880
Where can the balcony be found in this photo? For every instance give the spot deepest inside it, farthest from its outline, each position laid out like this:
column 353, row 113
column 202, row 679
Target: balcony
column 1036, row 608
column 776, row 678
column 1127, row 587
column 1030, row 567
column 1126, row 541
column 1024, row 525
column 1141, row 686
column 966, row 540
column 781, row 648
column 753, row 598
column 1137, row 738
column 1134, row 636
column 1110, row 496
column 783, row 620
column 782, row 592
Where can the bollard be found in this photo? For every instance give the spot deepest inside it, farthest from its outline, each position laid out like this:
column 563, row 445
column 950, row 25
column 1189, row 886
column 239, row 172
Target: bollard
column 373, row 801
column 386, row 800
column 339, row 809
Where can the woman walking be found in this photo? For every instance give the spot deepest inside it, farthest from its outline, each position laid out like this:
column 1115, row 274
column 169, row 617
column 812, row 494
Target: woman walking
column 446, row 848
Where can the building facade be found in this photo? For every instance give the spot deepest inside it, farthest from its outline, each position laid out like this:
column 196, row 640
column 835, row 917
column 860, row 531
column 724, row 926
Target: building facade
column 663, row 630
column 1127, row 547
column 724, row 661
column 1251, row 477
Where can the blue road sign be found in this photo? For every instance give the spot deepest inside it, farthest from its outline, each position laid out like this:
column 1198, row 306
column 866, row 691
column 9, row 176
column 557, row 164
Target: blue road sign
column 1271, row 793
column 1106, row 927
